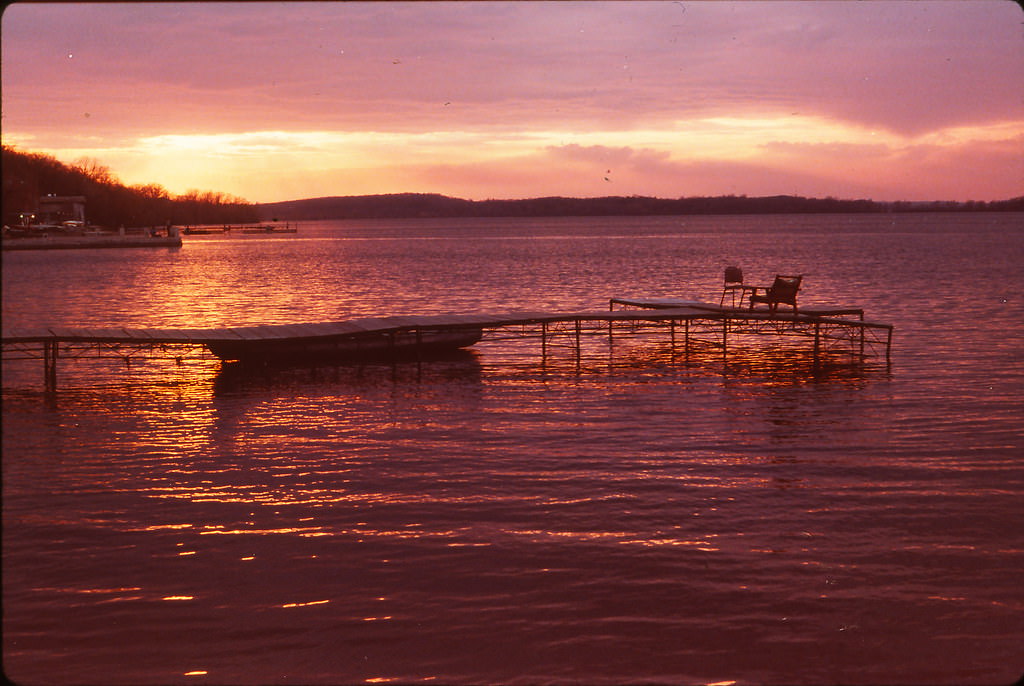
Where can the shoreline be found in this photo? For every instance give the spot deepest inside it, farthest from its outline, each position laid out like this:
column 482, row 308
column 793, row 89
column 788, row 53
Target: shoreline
column 80, row 242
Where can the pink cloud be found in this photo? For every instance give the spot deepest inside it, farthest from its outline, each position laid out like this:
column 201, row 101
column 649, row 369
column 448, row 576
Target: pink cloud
column 106, row 73
column 906, row 66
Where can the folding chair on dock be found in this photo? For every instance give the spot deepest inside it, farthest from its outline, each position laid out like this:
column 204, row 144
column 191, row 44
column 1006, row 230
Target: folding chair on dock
column 733, row 285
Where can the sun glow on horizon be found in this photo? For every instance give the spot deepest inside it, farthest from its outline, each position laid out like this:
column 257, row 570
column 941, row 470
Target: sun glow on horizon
column 251, row 164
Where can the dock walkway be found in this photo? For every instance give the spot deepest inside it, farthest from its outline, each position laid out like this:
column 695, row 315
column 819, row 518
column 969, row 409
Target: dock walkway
column 827, row 327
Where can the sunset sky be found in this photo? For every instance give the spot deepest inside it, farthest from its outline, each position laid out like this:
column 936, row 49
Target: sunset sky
column 911, row 100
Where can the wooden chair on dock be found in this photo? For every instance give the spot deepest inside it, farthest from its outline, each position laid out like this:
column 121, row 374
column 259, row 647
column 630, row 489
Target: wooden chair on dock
column 783, row 290
column 733, row 285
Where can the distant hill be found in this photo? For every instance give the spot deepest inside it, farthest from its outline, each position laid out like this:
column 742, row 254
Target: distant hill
column 399, row 205
column 408, row 205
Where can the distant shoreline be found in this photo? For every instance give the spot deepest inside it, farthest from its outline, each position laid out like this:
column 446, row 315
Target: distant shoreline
column 429, row 205
column 79, row 242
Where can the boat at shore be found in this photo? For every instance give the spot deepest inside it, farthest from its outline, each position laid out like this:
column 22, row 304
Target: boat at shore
column 400, row 344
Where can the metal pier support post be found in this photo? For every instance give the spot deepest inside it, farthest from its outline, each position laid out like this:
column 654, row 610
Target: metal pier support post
column 50, row 352
column 577, row 342
column 725, row 339
column 817, row 344
column 419, row 345
column 862, row 337
column 544, row 342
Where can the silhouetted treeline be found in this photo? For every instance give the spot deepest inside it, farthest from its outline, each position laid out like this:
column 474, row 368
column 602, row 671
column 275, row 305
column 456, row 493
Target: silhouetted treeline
column 109, row 203
column 432, row 205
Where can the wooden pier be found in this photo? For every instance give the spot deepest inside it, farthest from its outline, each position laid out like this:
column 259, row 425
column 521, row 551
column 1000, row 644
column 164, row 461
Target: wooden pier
column 262, row 228
column 828, row 330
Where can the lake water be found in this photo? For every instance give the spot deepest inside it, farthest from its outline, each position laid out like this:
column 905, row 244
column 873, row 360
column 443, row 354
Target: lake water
column 488, row 519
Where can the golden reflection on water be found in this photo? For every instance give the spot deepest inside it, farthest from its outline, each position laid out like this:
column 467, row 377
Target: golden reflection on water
column 302, row 531
column 109, row 595
column 49, row 589
column 160, row 527
column 415, row 531
column 307, row 604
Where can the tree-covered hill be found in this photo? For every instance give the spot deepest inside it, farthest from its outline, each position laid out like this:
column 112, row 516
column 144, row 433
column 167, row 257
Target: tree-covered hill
column 433, row 205
column 109, row 203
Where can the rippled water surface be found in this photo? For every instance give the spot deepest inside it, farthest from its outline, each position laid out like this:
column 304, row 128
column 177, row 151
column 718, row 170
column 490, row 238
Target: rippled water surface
column 484, row 518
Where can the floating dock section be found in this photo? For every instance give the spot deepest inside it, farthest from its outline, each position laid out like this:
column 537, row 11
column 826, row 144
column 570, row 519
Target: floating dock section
column 826, row 330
